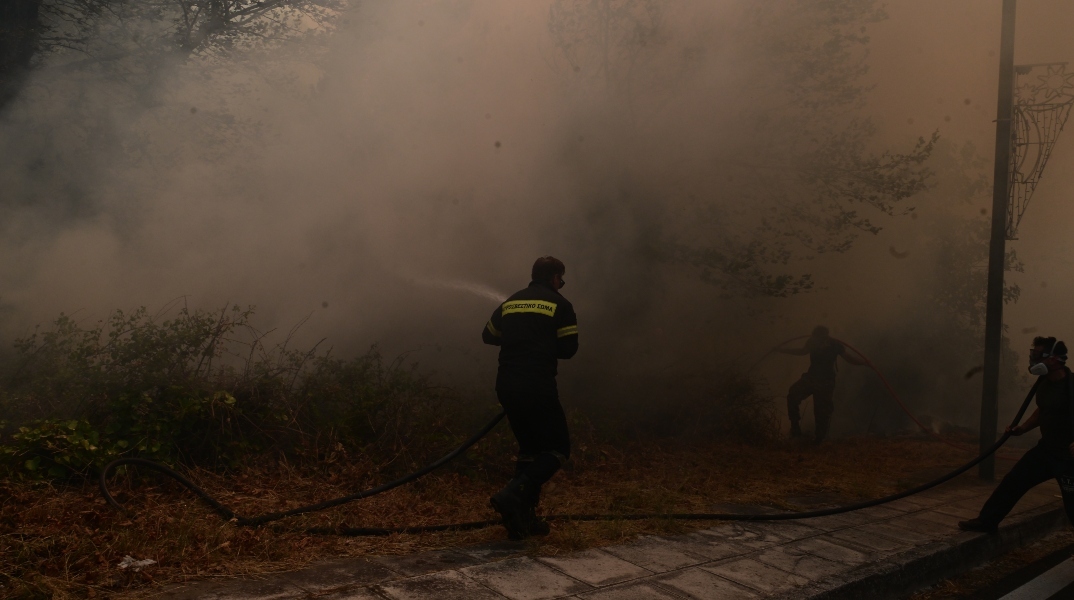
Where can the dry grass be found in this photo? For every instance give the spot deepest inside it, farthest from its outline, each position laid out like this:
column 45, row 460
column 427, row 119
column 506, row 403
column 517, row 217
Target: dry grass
column 64, row 542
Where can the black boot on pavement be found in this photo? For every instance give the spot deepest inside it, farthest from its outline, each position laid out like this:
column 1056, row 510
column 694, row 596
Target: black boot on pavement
column 515, row 505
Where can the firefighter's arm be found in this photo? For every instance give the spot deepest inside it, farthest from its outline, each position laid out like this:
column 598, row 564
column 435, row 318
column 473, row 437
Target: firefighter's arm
column 566, row 333
column 491, row 333
column 1028, row 425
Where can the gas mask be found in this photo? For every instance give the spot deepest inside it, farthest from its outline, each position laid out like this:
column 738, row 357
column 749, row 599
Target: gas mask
column 1036, row 361
column 1038, row 369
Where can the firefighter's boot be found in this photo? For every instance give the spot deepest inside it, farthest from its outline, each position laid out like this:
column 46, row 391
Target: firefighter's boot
column 516, row 505
column 537, row 525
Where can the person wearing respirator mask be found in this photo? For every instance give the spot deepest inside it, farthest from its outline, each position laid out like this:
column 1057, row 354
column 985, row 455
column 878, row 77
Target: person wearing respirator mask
column 1053, row 457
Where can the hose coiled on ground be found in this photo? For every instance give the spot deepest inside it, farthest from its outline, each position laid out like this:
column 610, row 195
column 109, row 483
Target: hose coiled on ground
column 230, row 515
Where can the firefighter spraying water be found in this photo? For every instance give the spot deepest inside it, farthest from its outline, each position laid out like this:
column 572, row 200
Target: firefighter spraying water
column 534, row 328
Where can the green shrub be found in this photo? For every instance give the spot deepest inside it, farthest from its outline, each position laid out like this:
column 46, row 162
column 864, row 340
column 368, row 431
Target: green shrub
column 201, row 388
column 51, row 448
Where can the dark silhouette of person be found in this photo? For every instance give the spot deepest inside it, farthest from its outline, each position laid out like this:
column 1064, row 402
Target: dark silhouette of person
column 534, row 328
column 818, row 381
column 1053, row 456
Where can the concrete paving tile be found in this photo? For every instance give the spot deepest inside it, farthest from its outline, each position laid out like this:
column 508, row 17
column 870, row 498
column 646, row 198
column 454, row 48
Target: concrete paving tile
column 882, row 512
column 630, row 591
column 893, row 531
column 494, row 550
column 903, row 504
column 525, row 579
column 596, row 568
column 840, row 521
column 752, row 535
column 796, row 529
column 970, row 503
column 876, row 543
column 954, row 510
column 947, row 496
column 655, row 554
column 703, row 585
column 707, row 546
column 356, row 594
column 973, row 486
column 805, row 565
column 913, row 503
column 746, row 535
column 425, row 562
column 830, row 550
column 939, row 518
column 927, row 527
column 445, row 585
column 757, row 575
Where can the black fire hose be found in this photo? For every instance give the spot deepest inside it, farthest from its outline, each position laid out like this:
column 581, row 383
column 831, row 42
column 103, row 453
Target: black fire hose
column 230, row 515
column 370, row 531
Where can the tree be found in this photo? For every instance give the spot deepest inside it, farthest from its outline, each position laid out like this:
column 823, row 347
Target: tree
column 108, row 73
column 133, row 40
column 19, row 26
column 800, row 171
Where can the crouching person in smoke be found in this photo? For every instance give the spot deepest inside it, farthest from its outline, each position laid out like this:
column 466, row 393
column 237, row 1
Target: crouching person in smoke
column 818, row 381
column 534, row 328
column 1053, row 456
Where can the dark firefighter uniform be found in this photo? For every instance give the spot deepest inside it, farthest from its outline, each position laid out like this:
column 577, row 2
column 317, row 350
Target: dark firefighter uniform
column 1049, row 459
column 534, row 328
column 818, row 382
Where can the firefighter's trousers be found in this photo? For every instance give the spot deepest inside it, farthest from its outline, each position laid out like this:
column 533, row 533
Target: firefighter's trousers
column 537, row 420
column 822, row 389
column 1035, row 467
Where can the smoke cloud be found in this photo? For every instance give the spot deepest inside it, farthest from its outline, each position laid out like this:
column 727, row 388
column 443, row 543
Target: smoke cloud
column 391, row 172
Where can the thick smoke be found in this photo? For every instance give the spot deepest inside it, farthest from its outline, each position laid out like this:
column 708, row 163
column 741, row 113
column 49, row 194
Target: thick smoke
column 389, row 175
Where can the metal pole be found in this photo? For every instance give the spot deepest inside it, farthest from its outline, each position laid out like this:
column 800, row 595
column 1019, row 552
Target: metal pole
column 996, row 247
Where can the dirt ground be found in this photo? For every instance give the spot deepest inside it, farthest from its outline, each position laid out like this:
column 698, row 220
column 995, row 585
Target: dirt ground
column 63, row 541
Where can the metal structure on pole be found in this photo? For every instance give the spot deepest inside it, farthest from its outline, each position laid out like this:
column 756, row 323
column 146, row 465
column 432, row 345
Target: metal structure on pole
column 1043, row 96
column 997, row 244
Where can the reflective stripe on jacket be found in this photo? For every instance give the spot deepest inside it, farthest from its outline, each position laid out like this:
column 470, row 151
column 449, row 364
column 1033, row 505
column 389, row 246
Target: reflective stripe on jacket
column 533, row 328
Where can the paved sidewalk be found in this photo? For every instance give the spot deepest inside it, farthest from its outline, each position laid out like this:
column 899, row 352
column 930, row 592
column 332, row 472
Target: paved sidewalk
column 882, row 552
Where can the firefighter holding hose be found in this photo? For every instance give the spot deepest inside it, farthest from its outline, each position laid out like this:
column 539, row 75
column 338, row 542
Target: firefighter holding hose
column 818, row 381
column 1053, row 456
column 534, row 328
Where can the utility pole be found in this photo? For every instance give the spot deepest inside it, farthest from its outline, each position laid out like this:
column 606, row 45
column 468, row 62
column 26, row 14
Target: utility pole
column 997, row 245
